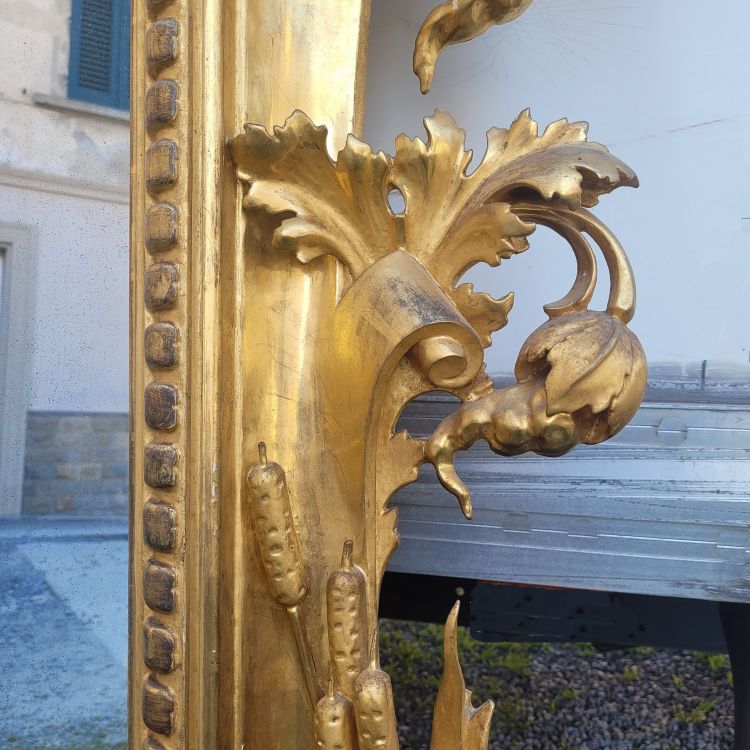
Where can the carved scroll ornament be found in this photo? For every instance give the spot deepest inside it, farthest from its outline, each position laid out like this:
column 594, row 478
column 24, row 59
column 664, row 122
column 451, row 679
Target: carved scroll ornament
column 404, row 325
column 456, row 21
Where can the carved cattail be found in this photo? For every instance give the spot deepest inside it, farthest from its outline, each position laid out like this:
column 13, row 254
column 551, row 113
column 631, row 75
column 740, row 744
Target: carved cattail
column 279, row 550
column 347, row 622
column 334, row 722
column 374, row 710
column 274, row 529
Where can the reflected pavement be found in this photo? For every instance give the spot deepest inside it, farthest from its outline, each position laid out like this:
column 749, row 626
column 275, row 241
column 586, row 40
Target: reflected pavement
column 63, row 633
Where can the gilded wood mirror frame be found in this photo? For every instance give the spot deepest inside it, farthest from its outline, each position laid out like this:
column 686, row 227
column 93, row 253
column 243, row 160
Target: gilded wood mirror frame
column 281, row 317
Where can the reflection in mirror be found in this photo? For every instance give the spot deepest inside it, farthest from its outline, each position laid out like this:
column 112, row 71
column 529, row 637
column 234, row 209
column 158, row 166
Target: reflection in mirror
column 64, row 153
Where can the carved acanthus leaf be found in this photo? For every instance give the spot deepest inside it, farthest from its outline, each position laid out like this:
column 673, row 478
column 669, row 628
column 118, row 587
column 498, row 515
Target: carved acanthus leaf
column 484, row 313
column 399, row 463
column 489, row 235
column 340, row 208
column 445, row 206
column 560, row 164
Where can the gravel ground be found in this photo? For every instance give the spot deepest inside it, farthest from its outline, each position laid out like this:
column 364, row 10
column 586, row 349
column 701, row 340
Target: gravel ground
column 566, row 697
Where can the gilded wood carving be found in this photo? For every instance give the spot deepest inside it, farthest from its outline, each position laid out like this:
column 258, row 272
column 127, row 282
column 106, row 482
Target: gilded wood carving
column 403, row 325
column 283, row 315
column 456, row 21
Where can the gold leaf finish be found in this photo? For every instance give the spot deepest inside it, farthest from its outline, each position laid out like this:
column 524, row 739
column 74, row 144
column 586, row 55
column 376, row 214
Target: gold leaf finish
column 484, row 313
column 594, row 363
column 275, row 533
column 280, row 553
column 374, row 709
column 291, row 172
column 401, row 325
column 456, row 724
column 347, row 623
column 454, row 219
column 335, row 727
column 456, row 21
column 284, row 302
column 581, row 379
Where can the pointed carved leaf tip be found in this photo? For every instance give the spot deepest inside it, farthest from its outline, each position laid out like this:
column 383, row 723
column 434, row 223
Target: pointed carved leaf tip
column 339, row 208
column 449, row 226
column 456, row 724
column 484, row 313
column 479, row 724
column 399, row 464
column 457, row 21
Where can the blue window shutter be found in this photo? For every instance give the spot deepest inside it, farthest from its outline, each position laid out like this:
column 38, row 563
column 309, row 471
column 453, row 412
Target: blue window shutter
column 123, row 55
column 100, row 52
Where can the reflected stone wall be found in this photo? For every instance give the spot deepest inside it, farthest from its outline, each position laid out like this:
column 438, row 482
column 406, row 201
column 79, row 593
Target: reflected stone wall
column 76, row 464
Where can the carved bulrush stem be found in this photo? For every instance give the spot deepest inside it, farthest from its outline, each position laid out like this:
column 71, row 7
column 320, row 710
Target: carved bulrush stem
column 347, row 622
column 401, row 325
column 374, row 707
column 334, row 722
column 280, row 554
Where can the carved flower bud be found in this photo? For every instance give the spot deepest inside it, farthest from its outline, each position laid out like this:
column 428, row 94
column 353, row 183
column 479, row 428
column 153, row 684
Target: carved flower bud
column 594, row 367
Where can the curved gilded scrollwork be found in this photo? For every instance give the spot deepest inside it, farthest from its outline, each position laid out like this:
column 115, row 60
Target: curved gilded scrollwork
column 455, row 21
column 403, row 325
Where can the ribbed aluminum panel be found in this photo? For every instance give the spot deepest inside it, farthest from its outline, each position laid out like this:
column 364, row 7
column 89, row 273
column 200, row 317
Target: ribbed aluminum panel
column 662, row 509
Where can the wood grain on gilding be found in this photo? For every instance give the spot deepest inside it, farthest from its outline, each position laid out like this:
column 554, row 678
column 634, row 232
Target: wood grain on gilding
column 161, row 43
column 159, row 525
column 160, row 286
column 161, row 165
column 158, row 706
column 158, row 646
column 161, row 227
column 151, row 743
column 160, row 345
column 160, row 406
column 287, row 52
column 161, row 104
column 160, row 465
column 159, row 581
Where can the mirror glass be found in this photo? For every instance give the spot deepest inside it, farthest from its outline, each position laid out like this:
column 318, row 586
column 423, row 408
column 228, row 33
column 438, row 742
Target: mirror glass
column 64, row 194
